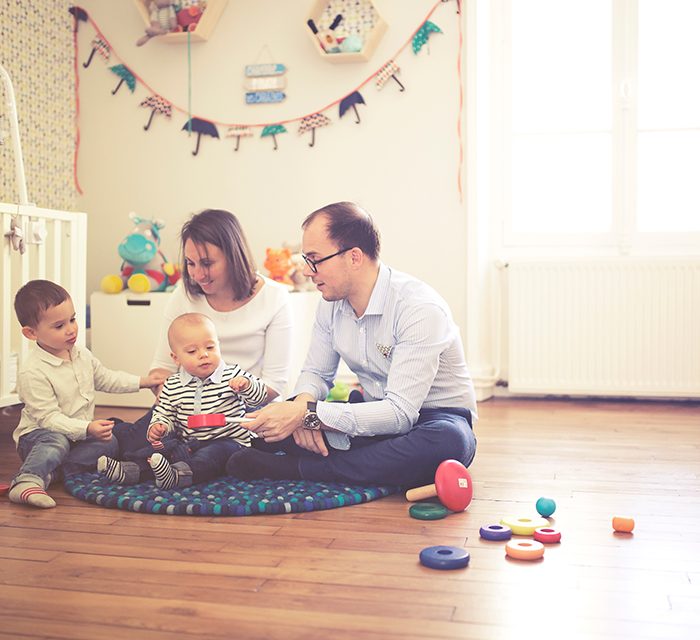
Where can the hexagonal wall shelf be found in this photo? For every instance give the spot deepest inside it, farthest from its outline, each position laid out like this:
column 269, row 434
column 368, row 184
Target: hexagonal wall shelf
column 206, row 24
column 352, row 37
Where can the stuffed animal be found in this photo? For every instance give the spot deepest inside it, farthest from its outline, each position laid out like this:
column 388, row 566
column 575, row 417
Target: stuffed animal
column 300, row 281
column 163, row 20
column 188, row 17
column 278, row 263
column 145, row 268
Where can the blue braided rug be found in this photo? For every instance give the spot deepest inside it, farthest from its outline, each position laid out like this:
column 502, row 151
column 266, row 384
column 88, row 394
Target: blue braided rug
column 222, row 497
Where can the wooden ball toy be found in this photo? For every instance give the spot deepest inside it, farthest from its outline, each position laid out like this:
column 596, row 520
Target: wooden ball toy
column 623, row 524
column 524, row 549
column 453, row 486
column 546, row 507
column 524, row 525
column 547, row 535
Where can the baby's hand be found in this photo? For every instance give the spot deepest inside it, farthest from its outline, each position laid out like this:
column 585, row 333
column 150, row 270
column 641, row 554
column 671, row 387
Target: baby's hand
column 156, row 431
column 239, row 383
column 153, row 379
column 100, row 429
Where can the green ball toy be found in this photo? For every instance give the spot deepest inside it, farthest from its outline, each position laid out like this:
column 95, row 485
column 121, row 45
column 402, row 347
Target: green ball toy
column 546, row 507
column 339, row 392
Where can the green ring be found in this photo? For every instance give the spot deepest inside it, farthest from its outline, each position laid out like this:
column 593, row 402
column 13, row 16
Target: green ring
column 428, row 511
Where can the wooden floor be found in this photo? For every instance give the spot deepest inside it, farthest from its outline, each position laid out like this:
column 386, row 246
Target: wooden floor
column 83, row 572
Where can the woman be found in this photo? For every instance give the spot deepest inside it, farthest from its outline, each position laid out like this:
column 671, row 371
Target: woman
column 251, row 313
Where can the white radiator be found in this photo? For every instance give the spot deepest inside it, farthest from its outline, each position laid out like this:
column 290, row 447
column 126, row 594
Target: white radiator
column 55, row 248
column 604, row 327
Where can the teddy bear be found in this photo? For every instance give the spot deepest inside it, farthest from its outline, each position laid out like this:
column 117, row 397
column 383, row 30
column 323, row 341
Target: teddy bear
column 163, row 20
column 278, row 263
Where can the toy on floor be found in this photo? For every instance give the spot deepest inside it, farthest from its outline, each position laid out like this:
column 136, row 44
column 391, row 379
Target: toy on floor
column 496, row 532
column 443, row 557
column 4, row 489
column 623, row 524
column 144, row 267
column 428, row 511
column 524, row 549
column 546, row 507
column 524, row 525
column 547, row 535
column 453, row 486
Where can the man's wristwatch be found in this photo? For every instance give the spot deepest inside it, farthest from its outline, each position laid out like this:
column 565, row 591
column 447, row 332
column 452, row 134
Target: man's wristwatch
column 311, row 419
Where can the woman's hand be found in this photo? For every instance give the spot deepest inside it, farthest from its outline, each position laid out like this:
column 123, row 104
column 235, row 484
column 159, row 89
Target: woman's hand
column 157, row 375
column 277, row 421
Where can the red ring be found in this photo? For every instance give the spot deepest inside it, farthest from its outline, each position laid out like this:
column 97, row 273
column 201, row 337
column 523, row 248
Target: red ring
column 547, row 535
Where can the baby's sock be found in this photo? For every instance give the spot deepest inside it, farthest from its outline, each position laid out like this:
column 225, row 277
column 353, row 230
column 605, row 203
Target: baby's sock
column 31, row 493
column 166, row 476
column 111, row 468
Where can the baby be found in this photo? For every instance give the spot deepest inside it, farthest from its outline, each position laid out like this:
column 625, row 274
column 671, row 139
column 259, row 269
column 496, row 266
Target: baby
column 57, row 383
column 204, row 384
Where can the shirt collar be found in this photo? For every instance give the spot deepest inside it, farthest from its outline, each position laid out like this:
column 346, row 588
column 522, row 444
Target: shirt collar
column 51, row 359
column 217, row 374
column 376, row 304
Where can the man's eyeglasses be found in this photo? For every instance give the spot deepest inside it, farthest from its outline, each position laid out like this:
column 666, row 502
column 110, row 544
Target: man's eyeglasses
column 313, row 264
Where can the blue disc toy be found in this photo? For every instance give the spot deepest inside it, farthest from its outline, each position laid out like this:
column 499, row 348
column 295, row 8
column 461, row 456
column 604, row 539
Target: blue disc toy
column 442, row 557
column 495, row 532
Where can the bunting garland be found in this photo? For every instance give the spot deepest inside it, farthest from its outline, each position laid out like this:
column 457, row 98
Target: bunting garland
column 203, row 126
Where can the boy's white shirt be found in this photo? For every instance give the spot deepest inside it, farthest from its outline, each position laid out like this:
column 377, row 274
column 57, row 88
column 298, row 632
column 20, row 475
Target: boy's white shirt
column 59, row 395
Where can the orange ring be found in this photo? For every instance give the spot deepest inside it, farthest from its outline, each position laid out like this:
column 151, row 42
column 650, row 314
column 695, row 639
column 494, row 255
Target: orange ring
column 524, row 549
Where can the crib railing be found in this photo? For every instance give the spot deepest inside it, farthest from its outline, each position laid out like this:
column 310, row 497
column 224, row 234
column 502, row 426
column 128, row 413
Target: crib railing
column 37, row 243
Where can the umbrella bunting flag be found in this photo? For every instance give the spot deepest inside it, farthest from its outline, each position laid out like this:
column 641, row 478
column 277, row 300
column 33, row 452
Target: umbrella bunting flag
column 273, row 130
column 125, row 76
column 157, row 104
column 311, row 123
column 389, row 70
column 98, row 46
column 352, row 100
column 200, row 127
column 423, row 34
column 79, row 14
column 239, row 131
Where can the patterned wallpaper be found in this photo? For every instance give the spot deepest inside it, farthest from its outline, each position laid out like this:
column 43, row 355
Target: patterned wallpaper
column 36, row 49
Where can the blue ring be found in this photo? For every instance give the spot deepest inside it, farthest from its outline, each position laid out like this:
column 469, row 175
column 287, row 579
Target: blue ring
column 442, row 557
column 495, row 532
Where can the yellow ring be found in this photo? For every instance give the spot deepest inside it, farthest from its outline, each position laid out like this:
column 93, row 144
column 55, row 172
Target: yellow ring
column 524, row 549
column 524, row 525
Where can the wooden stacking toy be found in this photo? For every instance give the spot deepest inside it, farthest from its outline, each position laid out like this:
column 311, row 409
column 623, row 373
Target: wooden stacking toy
column 213, row 420
column 623, row 524
column 453, row 486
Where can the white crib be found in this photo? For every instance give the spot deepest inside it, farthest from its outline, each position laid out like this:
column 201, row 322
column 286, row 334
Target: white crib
column 36, row 243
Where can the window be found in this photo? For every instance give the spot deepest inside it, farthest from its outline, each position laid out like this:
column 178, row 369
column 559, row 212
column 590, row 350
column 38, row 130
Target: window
column 598, row 137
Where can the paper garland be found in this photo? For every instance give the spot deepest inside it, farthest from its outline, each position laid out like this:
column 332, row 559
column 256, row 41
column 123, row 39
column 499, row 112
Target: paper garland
column 203, row 126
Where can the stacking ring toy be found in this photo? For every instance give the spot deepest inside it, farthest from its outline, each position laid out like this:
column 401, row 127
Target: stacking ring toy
column 495, row 532
column 546, row 507
column 4, row 488
column 453, row 486
column 524, row 525
column 623, row 524
column 427, row 511
column 547, row 535
column 442, row 557
column 214, row 420
column 524, row 549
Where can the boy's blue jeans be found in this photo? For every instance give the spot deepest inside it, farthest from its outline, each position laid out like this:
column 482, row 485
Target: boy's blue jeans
column 42, row 451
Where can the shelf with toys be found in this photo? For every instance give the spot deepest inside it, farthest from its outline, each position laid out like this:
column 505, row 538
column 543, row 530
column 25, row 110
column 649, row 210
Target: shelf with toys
column 345, row 30
column 170, row 21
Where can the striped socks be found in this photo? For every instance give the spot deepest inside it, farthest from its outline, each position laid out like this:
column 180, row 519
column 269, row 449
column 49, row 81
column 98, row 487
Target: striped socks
column 32, row 494
column 166, row 475
column 111, row 468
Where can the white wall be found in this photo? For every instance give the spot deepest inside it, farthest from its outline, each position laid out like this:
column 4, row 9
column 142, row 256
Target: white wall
column 401, row 162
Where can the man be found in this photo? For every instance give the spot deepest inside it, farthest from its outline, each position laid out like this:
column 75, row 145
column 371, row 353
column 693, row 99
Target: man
column 397, row 335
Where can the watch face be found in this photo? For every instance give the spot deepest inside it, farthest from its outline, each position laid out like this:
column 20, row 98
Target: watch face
column 312, row 421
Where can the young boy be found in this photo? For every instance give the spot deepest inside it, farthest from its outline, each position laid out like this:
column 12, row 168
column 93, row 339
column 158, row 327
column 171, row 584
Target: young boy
column 57, row 384
column 204, row 384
